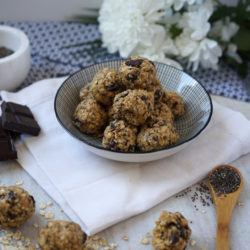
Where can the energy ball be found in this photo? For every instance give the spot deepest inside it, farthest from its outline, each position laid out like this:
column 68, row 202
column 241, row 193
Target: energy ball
column 137, row 73
column 90, row 117
column 105, row 85
column 61, row 234
column 156, row 137
column 162, row 115
column 84, row 91
column 134, row 106
column 16, row 206
column 159, row 91
column 175, row 102
column 120, row 136
column 171, row 232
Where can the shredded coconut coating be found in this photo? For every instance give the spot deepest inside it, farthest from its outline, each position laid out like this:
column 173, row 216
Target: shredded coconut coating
column 16, row 206
column 105, row 85
column 171, row 232
column 175, row 102
column 134, row 106
column 156, row 138
column 90, row 117
column 120, row 136
column 61, row 234
column 137, row 73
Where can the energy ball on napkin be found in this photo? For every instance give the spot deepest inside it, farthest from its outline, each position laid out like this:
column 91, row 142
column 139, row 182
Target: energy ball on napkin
column 159, row 91
column 175, row 102
column 84, row 91
column 171, row 232
column 16, row 206
column 156, row 137
column 134, row 106
column 137, row 73
column 62, row 235
column 120, row 136
column 105, row 85
column 90, row 117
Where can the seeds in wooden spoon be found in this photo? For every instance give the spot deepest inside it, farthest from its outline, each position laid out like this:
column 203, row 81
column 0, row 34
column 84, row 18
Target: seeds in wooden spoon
column 225, row 180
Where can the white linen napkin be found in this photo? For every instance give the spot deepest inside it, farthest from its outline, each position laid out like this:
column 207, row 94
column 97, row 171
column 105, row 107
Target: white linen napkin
column 96, row 192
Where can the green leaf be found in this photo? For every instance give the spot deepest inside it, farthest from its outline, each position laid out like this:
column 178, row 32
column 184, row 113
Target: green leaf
column 242, row 39
column 175, row 31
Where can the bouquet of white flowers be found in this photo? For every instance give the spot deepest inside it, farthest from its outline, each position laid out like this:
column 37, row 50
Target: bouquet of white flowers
column 193, row 32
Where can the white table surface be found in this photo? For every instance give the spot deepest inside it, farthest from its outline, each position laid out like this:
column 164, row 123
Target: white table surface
column 203, row 221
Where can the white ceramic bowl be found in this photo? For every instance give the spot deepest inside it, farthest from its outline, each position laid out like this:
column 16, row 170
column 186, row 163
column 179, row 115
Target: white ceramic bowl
column 198, row 110
column 15, row 67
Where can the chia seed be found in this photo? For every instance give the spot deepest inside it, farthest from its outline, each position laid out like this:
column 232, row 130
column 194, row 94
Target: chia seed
column 225, row 180
column 5, row 52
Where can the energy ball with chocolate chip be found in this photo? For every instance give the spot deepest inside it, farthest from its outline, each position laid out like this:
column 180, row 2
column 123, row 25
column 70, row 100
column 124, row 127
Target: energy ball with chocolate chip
column 162, row 115
column 171, row 232
column 159, row 91
column 105, row 85
column 134, row 106
column 16, row 206
column 84, row 91
column 61, row 235
column 90, row 117
column 137, row 73
column 156, row 137
column 120, row 136
column 175, row 102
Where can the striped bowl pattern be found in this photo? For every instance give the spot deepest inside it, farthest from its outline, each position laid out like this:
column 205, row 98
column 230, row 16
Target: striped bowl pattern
column 198, row 109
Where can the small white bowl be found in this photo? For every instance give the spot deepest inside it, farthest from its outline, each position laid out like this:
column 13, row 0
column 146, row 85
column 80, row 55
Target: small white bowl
column 15, row 67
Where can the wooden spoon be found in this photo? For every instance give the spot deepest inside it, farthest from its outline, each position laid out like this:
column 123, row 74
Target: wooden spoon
column 224, row 205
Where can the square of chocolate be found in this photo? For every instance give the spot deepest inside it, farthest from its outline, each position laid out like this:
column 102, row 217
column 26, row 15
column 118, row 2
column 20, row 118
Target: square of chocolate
column 18, row 118
column 7, row 148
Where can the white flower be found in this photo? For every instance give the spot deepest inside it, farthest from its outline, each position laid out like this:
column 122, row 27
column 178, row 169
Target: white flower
column 232, row 52
column 224, row 29
column 205, row 52
column 178, row 4
column 197, row 21
column 127, row 24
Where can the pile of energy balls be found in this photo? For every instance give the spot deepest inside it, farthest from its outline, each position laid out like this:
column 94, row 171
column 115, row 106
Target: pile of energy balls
column 129, row 108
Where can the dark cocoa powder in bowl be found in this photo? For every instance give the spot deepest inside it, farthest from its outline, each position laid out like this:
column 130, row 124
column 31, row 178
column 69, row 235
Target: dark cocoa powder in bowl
column 225, row 180
column 5, row 52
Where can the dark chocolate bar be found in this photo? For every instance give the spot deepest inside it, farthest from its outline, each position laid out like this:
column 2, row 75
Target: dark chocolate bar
column 7, row 148
column 18, row 118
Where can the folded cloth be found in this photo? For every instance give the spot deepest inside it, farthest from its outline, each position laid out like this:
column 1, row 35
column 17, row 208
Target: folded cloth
column 97, row 192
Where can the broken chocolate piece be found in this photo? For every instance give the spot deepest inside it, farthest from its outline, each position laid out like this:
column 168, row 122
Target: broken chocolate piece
column 7, row 148
column 18, row 118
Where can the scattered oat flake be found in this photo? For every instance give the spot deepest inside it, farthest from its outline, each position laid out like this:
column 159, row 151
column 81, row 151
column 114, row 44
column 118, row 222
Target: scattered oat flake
column 18, row 183
column 125, row 237
column 50, row 203
column 113, row 245
column 192, row 243
column 148, row 234
column 103, row 242
column 49, row 216
column 42, row 206
column 144, row 241
column 42, row 213
column 240, row 203
column 95, row 237
column 35, row 225
column 203, row 211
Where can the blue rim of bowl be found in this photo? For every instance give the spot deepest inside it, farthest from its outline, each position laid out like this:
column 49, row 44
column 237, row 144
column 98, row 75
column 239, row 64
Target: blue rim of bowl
column 136, row 152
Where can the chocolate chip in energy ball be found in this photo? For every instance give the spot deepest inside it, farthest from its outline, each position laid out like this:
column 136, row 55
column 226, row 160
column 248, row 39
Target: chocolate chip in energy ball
column 225, row 180
column 134, row 63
